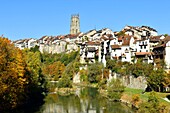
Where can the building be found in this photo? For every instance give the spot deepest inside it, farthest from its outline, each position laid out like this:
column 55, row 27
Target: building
column 162, row 51
column 75, row 24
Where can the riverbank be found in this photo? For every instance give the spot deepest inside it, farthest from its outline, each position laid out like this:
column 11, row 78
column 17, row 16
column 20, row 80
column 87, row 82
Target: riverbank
column 129, row 93
column 127, row 96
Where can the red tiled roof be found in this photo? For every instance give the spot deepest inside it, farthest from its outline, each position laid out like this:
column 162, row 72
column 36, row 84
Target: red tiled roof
column 93, row 43
column 115, row 46
column 155, row 38
column 143, row 53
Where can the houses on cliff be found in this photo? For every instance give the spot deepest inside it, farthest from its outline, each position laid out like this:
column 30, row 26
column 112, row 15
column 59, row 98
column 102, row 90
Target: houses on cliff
column 128, row 45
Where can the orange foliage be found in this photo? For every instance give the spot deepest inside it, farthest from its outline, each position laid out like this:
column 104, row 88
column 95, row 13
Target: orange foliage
column 12, row 74
column 55, row 70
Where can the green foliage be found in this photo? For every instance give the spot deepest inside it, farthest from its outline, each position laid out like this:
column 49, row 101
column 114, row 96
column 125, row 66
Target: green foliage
column 64, row 82
column 71, row 69
column 37, row 81
column 140, row 68
column 103, row 83
column 110, row 64
column 115, row 89
column 152, row 105
column 94, row 72
column 121, row 33
column 62, row 57
column 165, row 35
column 34, row 49
column 83, row 75
column 156, row 79
column 68, row 58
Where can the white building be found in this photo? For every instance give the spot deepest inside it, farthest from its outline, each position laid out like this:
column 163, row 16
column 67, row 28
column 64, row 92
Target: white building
column 167, row 55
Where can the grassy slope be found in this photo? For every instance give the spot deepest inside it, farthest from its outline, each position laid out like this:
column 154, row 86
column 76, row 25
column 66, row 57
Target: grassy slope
column 129, row 92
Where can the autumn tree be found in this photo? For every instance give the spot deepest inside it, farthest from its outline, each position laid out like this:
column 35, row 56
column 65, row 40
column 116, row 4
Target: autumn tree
column 12, row 76
column 54, row 71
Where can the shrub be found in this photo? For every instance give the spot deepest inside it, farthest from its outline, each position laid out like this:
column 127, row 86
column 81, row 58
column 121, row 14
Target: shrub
column 64, row 82
column 115, row 89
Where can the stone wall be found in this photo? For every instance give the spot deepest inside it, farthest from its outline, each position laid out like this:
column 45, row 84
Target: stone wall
column 132, row 82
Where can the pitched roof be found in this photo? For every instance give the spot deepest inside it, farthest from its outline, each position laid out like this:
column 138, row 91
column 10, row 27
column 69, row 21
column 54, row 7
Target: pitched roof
column 93, row 43
column 115, row 46
column 143, row 53
column 155, row 38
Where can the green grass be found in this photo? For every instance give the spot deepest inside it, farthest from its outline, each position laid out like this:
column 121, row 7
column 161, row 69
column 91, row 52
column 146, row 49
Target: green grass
column 144, row 97
column 131, row 92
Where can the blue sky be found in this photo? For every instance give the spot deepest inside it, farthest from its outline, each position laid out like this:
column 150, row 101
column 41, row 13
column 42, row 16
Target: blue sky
column 35, row 18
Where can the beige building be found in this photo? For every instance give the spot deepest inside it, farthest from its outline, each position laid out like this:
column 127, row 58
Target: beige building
column 75, row 24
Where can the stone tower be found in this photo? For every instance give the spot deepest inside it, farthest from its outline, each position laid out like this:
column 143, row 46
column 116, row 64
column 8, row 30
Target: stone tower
column 75, row 24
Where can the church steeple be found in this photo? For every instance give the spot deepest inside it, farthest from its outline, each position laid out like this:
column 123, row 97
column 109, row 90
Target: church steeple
column 75, row 24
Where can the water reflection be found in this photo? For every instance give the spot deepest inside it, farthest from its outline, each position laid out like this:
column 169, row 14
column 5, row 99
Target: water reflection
column 86, row 100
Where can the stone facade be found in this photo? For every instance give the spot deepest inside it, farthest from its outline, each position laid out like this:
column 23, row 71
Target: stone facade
column 75, row 24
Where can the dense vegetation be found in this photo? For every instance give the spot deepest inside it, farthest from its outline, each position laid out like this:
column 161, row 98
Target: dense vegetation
column 152, row 105
column 21, row 80
column 157, row 78
column 25, row 75
column 115, row 89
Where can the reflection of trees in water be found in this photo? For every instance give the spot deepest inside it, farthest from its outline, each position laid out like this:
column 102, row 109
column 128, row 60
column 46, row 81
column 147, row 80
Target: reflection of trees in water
column 88, row 100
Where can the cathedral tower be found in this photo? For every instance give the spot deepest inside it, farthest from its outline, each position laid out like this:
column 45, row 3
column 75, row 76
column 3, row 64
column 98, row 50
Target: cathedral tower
column 75, row 24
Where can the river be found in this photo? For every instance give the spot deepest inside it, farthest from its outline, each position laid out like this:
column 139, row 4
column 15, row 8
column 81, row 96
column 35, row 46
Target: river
column 86, row 100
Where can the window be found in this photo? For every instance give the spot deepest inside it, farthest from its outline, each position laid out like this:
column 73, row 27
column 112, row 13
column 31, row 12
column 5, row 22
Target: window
column 140, row 47
column 144, row 47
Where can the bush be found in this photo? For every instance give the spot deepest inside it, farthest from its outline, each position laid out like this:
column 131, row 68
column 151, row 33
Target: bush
column 152, row 105
column 64, row 82
column 115, row 89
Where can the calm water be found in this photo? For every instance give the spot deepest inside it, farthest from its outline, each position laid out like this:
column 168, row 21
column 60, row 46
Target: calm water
column 86, row 100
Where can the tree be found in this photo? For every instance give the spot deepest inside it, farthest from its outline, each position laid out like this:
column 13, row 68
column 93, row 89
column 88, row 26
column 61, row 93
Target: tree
column 115, row 89
column 54, row 71
column 37, row 81
column 83, row 75
column 94, row 72
column 64, row 82
column 157, row 79
column 141, row 69
column 13, row 77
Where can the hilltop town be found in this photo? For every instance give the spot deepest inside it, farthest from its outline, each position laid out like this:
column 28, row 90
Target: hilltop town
column 124, row 65
column 127, row 45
